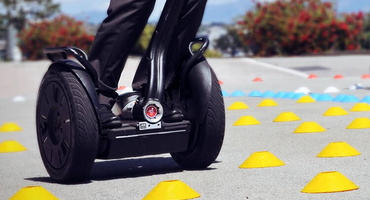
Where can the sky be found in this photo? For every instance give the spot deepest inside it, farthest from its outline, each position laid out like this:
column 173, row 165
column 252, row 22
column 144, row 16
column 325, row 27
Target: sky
column 226, row 11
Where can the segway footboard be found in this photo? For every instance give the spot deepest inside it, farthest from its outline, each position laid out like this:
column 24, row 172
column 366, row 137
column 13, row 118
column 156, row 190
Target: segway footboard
column 143, row 138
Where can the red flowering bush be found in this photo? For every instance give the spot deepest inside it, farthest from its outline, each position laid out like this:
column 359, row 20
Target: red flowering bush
column 291, row 27
column 61, row 31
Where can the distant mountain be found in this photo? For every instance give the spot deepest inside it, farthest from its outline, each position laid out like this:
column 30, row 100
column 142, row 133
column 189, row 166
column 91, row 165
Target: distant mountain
column 220, row 13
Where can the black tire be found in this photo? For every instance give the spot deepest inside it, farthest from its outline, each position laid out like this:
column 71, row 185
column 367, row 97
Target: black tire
column 209, row 134
column 67, row 127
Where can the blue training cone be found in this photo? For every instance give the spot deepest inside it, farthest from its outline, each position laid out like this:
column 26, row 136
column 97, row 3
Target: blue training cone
column 298, row 95
column 350, row 98
column 289, row 95
column 366, row 99
column 339, row 97
column 279, row 94
column 238, row 93
column 225, row 94
column 325, row 97
column 268, row 94
column 255, row 93
column 314, row 95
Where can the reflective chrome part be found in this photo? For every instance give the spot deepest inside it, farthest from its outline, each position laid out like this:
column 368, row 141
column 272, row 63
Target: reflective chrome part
column 149, row 134
column 153, row 111
column 127, row 110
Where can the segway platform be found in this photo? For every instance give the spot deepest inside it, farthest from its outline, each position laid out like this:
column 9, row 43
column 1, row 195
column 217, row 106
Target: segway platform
column 136, row 138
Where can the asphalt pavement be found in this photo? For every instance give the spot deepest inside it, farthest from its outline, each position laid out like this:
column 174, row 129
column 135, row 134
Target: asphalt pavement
column 134, row 178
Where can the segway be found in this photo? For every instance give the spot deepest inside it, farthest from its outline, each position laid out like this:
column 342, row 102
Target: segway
column 69, row 130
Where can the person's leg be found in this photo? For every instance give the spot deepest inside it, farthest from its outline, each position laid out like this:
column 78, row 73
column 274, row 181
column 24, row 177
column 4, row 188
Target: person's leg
column 115, row 39
column 185, row 32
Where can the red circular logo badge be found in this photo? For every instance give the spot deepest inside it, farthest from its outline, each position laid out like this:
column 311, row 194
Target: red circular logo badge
column 151, row 111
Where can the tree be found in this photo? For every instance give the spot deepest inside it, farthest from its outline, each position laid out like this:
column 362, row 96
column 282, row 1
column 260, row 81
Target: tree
column 14, row 16
column 230, row 43
column 17, row 12
column 365, row 40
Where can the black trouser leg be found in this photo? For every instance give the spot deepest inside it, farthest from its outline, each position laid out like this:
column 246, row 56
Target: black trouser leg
column 185, row 32
column 116, row 37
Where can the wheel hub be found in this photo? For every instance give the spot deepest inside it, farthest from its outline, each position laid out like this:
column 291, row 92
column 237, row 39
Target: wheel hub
column 55, row 127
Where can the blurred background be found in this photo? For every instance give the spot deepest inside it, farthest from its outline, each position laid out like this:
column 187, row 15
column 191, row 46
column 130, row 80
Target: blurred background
column 236, row 28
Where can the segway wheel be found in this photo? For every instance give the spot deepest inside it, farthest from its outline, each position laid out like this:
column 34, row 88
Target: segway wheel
column 67, row 127
column 209, row 134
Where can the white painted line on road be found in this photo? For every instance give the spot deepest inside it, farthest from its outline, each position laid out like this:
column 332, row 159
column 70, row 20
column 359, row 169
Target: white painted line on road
column 282, row 69
column 19, row 99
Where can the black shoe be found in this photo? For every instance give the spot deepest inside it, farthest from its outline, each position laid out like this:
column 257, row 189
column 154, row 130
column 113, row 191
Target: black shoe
column 174, row 115
column 172, row 107
column 108, row 119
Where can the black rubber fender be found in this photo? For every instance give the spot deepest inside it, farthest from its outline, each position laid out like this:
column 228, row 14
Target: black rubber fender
column 198, row 91
column 84, row 79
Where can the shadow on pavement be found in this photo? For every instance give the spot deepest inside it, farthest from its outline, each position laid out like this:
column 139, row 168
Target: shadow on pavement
column 127, row 168
column 51, row 181
column 137, row 167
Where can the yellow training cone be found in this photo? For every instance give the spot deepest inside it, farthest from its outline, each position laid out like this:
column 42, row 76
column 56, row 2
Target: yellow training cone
column 338, row 149
column 309, row 127
column 359, row 123
column 267, row 103
column 335, row 111
column 238, row 106
column 306, row 99
column 326, row 182
column 11, row 146
column 286, row 117
column 262, row 159
column 246, row 120
column 173, row 189
column 9, row 127
column 360, row 107
column 33, row 193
